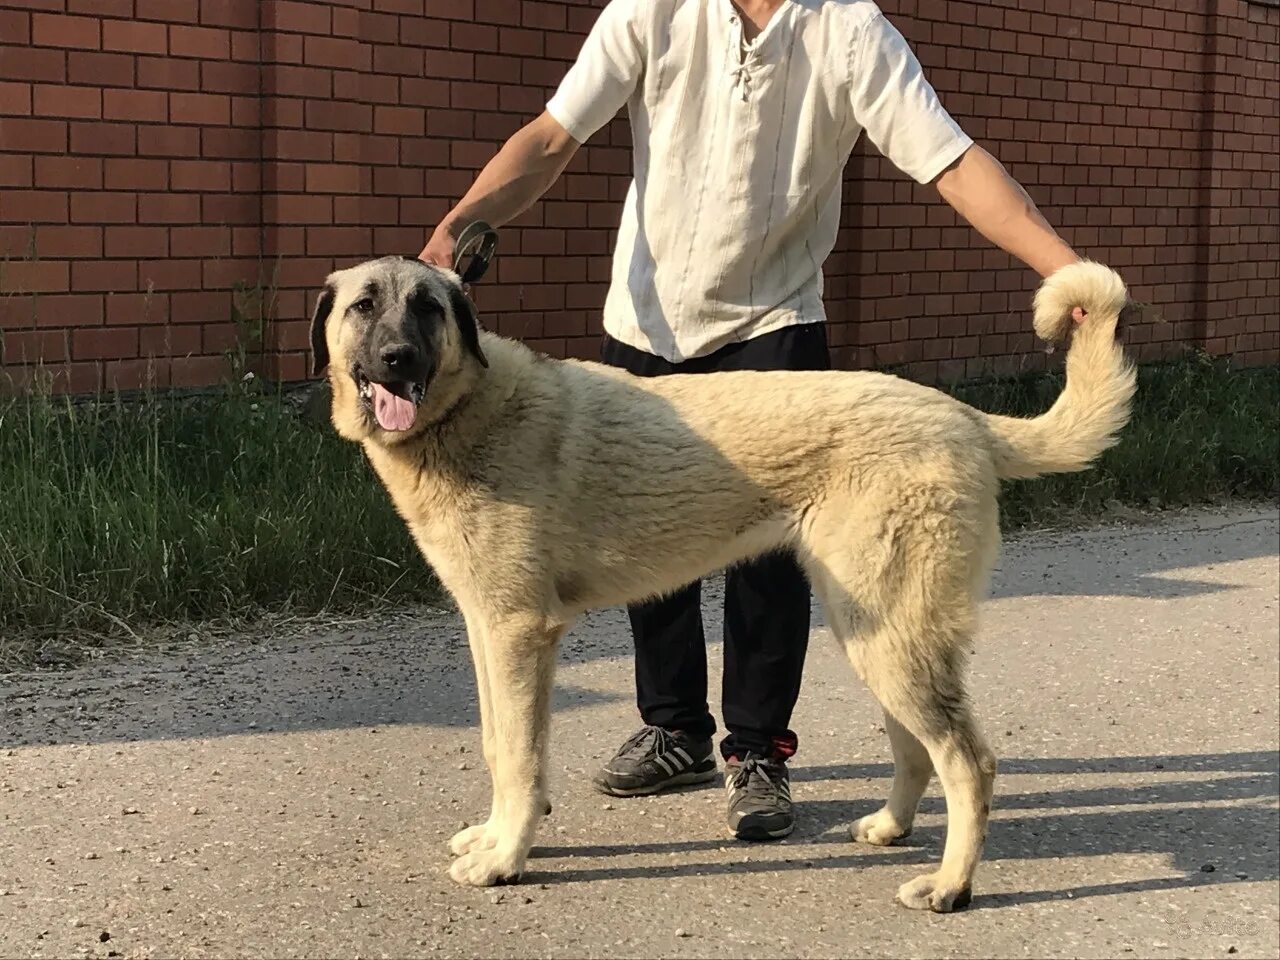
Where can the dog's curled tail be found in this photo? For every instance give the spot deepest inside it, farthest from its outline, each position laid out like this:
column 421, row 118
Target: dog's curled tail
column 1094, row 405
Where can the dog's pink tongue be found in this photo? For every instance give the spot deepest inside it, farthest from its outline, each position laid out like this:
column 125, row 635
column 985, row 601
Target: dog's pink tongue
column 393, row 413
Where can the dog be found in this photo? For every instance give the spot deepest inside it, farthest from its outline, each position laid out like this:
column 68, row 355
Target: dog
column 538, row 489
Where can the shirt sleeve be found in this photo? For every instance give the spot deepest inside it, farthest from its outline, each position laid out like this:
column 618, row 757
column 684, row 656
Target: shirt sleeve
column 898, row 107
column 604, row 76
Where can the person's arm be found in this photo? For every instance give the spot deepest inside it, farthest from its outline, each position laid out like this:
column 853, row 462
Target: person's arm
column 980, row 189
column 521, row 172
column 902, row 115
column 601, row 80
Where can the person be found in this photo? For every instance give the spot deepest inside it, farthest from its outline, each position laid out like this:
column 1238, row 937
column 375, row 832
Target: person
column 743, row 115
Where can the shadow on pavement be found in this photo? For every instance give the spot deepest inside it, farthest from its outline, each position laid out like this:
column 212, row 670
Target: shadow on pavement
column 420, row 672
column 1206, row 845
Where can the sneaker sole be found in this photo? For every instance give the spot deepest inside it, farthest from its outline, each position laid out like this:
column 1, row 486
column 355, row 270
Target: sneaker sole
column 679, row 780
column 759, row 834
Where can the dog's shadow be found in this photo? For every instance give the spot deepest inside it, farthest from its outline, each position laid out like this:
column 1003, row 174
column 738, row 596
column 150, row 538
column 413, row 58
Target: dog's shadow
column 1184, row 820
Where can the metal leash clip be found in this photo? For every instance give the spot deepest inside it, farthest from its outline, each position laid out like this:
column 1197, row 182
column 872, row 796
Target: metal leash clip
column 479, row 241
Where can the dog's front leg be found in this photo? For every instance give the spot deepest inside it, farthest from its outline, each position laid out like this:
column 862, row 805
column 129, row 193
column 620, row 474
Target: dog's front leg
column 519, row 660
column 481, row 836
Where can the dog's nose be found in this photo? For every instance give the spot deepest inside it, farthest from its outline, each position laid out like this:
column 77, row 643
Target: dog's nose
column 399, row 356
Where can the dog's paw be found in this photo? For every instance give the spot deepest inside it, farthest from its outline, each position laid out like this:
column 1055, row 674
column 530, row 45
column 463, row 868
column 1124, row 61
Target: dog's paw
column 485, row 868
column 934, row 892
column 879, row 828
column 479, row 837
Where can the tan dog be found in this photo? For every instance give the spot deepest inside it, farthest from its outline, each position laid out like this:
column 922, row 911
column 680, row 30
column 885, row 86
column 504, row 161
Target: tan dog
column 538, row 489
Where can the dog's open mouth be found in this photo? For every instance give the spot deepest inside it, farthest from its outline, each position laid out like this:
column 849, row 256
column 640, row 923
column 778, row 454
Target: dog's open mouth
column 393, row 405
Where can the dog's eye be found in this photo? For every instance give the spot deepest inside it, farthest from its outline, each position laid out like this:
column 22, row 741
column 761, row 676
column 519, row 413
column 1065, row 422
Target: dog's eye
column 364, row 305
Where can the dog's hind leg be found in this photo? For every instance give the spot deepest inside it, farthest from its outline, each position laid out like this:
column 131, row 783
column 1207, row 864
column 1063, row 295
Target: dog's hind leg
column 519, row 656
column 906, row 617
column 912, row 769
column 932, row 705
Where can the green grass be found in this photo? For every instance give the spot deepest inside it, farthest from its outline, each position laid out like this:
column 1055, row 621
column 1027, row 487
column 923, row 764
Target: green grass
column 119, row 515
column 116, row 516
column 1200, row 433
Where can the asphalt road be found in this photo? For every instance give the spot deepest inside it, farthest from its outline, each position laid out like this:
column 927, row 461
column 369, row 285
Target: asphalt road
column 292, row 795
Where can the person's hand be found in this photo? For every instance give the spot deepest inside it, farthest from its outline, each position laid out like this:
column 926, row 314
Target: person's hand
column 439, row 249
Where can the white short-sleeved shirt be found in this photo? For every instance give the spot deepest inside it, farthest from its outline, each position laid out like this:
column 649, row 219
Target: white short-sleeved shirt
column 739, row 154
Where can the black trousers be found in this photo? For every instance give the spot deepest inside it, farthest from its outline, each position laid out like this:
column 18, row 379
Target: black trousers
column 766, row 615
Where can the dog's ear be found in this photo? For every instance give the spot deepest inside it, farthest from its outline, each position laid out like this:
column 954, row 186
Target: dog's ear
column 320, row 346
column 464, row 315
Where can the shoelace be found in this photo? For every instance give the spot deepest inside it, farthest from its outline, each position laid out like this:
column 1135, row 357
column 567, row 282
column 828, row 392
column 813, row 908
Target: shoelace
column 644, row 741
column 759, row 778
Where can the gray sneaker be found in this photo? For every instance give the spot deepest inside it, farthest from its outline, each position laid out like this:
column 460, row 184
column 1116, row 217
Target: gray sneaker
column 654, row 759
column 759, row 798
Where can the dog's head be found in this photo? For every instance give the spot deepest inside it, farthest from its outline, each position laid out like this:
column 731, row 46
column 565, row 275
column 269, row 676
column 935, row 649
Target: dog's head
column 401, row 342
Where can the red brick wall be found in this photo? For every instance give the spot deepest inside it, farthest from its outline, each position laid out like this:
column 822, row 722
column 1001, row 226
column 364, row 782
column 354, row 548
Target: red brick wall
column 167, row 165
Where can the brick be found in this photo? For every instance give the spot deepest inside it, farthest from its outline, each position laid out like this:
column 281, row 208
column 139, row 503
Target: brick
column 169, row 208
column 142, row 374
column 145, row 105
column 68, row 242
column 66, row 101
column 201, row 42
column 297, row 17
column 247, row 47
column 29, row 63
column 104, row 207
column 169, row 141
column 197, row 371
column 168, row 73
column 200, row 241
column 98, row 69
column 200, row 175
column 100, row 344
column 55, row 30
column 69, row 172
column 349, row 117
column 34, row 347
column 169, row 11
column 120, row 139
column 229, row 13
column 167, row 275
column 336, row 178
column 145, row 308
column 230, row 208
column 293, row 81
column 19, row 311
column 22, row 135
column 399, row 121
column 33, row 206
column 224, row 274
column 101, row 8
column 242, row 78
column 229, row 143
column 37, row 276
column 105, row 276
column 246, row 112
column 405, row 61
column 200, row 108
column 16, row 170
column 135, row 174
column 134, row 36
column 171, row 340
column 136, row 242
column 15, row 99
column 15, row 27
column 337, row 52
